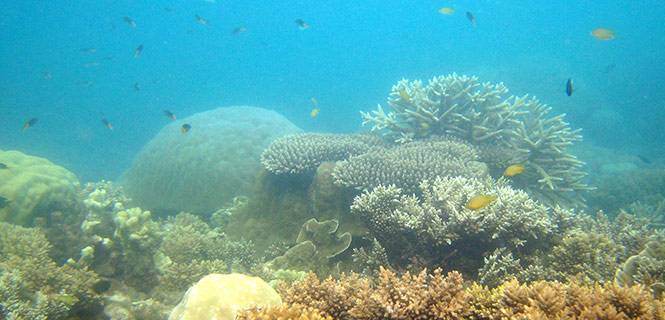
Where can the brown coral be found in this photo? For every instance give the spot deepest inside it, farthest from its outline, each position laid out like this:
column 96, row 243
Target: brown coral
column 290, row 312
column 435, row 296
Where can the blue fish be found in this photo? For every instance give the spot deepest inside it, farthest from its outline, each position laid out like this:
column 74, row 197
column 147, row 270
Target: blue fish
column 569, row 87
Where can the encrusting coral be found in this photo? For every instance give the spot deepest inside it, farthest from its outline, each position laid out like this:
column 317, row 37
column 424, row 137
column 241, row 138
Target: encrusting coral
column 406, row 165
column 34, row 187
column 481, row 114
column 32, row 286
column 301, row 153
column 438, row 296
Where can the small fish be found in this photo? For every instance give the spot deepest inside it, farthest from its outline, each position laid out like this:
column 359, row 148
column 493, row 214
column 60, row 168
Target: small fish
column 201, row 20
column 29, row 124
column 101, row 286
column 404, row 95
column 314, row 113
column 314, row 101
column 608, row 68
column 603, row 34
column 446, row 11
column 185, row 128
column 107, row 124
column 3, row 202
column 46, row 75
column 302, row 25
column 89, row 50
column 85, row 83
column 480, row 201
column 138, row 51
column 3, row 166
column 129, row 21
column 169, row 114
column 136, row 86
column 513, row 170
column 239, row 30
column 91, row 64
column 471, row 18
column 569, row 87
column 644, row 159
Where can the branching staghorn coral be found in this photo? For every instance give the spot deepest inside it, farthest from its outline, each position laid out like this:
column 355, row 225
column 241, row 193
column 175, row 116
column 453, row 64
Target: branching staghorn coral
column 440, row 222
column 482, row 114
column 301, row 153
column 438, row 296
column 406, row 165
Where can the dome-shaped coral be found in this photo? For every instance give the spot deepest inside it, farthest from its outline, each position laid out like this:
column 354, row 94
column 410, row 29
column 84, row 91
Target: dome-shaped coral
column 32, row 187
column 201, row 170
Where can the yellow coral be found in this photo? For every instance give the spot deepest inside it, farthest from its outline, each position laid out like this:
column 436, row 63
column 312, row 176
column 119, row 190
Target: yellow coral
column 34, row 187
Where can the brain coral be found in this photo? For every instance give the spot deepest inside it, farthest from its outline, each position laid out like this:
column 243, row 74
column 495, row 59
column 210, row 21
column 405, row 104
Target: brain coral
column 205, row 168
column 33, row 187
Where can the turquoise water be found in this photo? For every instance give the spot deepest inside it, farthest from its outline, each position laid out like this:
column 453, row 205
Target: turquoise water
column 348, row 59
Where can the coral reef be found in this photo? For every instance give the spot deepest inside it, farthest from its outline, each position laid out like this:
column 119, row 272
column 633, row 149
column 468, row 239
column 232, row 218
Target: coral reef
column 316, row 246
column 213, row 163
column 290, row 312
column 34, row 187
column 32, row 286
column 639, row 191
column 439, row 296
column 482, row 115
column 439, row 224
column 303, row 153
column 406, row 165
column 646, row 268
column 223, row 296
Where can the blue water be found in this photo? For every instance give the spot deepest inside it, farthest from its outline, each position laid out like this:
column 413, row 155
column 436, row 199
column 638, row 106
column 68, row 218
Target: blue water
column 348, row 59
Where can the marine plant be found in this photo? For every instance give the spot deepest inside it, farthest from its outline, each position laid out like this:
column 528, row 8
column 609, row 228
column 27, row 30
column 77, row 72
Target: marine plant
column 483, row 114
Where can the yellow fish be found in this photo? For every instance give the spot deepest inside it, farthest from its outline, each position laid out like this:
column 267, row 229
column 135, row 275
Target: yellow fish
column 513, row 170
column 314, row 113
column 480, row 201
column 603, row 34
column 447, row 11
column 404, row 95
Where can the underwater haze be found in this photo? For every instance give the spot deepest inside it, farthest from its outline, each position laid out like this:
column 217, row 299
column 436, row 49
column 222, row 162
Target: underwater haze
column 72, row 63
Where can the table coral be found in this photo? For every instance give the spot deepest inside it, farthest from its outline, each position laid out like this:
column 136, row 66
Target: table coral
column 482, row 114
column 204, row 169
column 305, row 152
column 34, row 187
column 406, row 165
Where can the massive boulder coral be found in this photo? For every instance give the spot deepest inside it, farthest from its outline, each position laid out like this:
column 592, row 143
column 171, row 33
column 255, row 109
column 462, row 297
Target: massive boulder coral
column 482, row 114
column 207, row 167
column 305, row 152
column 440, row 224
column 406, row 165
column 33, row 187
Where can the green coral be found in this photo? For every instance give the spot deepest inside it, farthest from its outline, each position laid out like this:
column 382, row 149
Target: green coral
column 32, row 286
column 34, row 187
